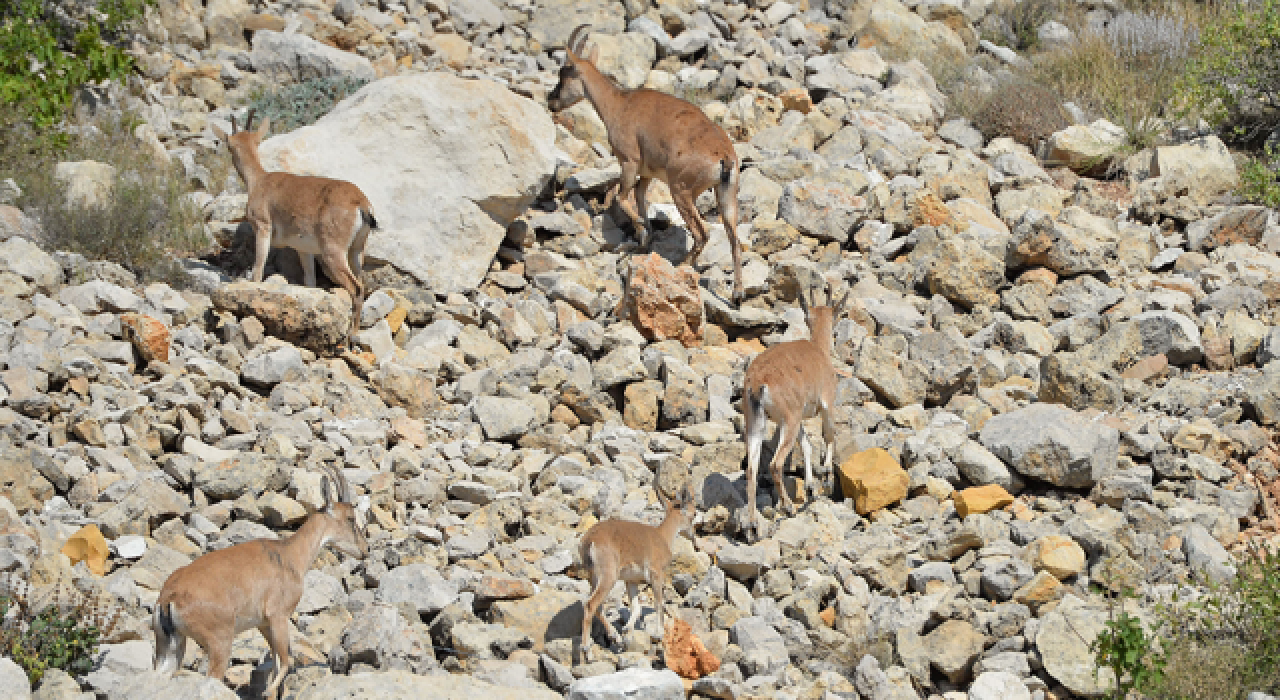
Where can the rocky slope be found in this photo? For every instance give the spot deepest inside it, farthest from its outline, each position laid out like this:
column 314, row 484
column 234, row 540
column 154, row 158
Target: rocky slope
column 1053, row 387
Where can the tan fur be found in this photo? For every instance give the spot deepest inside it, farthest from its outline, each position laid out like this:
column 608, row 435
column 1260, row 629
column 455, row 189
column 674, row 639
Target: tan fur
column 251, row 585
column 787, row 384
column 316, row 216
column 634, row 553
column 655, row 135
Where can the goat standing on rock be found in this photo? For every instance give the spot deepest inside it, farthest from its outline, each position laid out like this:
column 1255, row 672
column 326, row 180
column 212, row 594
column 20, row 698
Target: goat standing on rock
column 313, row 215
column 788, row 383
column 653, row 134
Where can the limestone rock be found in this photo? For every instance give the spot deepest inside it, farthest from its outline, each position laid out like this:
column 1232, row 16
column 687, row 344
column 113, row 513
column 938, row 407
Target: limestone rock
column 874, row 480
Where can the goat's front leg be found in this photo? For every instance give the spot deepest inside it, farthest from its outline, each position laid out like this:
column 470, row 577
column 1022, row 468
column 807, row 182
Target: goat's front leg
column 308, row 262
column 261, row 246
column 626, row 186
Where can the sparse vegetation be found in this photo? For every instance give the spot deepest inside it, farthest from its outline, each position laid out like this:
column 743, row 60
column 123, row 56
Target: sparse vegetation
column 62, row 634
column 147, row 218
column 1233, row 630
column 1020, row 110
column 1260, row 179
column 1021, row 20
column 294, row 106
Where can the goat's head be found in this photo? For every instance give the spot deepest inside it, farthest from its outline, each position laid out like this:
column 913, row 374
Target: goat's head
column 347, row 527
column 821, row 319
column 682, row 510
column 244, row 143
column 572, row 88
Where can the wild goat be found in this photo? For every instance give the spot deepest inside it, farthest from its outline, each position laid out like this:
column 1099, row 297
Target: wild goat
column 313, row 215
column 633, row 552
column 653, row 134
column 254, row 584
column 787, row 384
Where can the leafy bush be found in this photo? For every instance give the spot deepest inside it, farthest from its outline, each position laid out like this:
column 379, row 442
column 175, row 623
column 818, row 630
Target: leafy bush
column 1234, row 79
column 1020, row 110
column 45, row 58
column 1233, row 630
column 63, row 634
column 1124, row 646
column 148, row 217
column 296, row 105
column 1260, row 180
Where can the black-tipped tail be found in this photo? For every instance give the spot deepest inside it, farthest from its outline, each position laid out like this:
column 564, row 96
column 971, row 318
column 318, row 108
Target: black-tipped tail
column 726, row 170
column 166, row 619
column 755, row 399
column 368, row 218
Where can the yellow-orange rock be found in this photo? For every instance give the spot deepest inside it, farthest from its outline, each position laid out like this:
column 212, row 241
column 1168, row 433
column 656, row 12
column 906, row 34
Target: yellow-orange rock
column 89, row 546
column 149, row 336
column 685, row 654
column 1042, row 588
column 980, row 499
column 1059, row 555
column 797, row 99
column 664, row 301
column 873, row 479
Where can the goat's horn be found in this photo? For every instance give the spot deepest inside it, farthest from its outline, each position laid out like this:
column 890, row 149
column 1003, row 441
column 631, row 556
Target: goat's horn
column 234, row 127
column 248, row 121
column 575, row 42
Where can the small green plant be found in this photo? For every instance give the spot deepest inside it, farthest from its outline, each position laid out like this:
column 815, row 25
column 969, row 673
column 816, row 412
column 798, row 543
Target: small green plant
column 1234, row 79
column 1125, row 647
column 45, row 58
column 64, row 634
column 1260, row 181
column 294, row 106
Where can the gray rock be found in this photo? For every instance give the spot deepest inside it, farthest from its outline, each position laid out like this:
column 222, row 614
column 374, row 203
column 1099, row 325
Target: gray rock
column 419, row 585
column 404, row 685
column 763, row 649
column 1170, row 333
column 184, row 685
column 998, row 685
column 476, row 15
column 13, row 680
column 921, row 576
column 1205, row 555
column 1270, row 347
column 26, row 260
column 270, row 368
column 631, row 684
column 503, row 418
column 1063, row 641
column 285, row 58
column 1053, row 443
column 961, row 133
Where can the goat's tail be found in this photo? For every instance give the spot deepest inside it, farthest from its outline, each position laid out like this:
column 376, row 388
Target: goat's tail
column 728, row 168
column 367, row 215
column 169, row 647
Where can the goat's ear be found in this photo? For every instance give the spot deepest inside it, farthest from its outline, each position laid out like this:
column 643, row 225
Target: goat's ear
column 592, row 54
column 264, row 127
column 218, row 132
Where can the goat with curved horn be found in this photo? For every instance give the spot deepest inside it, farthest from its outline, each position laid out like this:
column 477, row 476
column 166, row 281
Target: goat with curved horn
column 655, row 135
column 255, row 584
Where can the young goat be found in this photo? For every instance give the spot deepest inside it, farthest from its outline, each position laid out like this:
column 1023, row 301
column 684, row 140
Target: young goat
column 312, row 215
column 633, row 552
column 254, row 584
column 787, row 384
column 653, row 134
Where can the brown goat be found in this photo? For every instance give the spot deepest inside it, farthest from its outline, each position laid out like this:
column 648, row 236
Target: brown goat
column 653, row 134
column 788, row 383
column 313, row 215
column 255, row 584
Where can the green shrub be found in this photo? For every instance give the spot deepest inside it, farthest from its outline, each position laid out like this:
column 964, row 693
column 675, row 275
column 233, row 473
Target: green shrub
column 1227, row 643
column 44, row 58
column 146, row 221
column 1234, row 79
column 63, row 634
column 1126, row 648
column 296, row 105
column 1260, row 179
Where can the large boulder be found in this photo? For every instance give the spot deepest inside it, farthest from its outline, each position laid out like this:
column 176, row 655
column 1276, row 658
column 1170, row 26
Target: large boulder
column 633, row 683
column 447, row 163
column 1064, row 643
column 1204, row 166
column 1053, row 443
column 312, row 318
